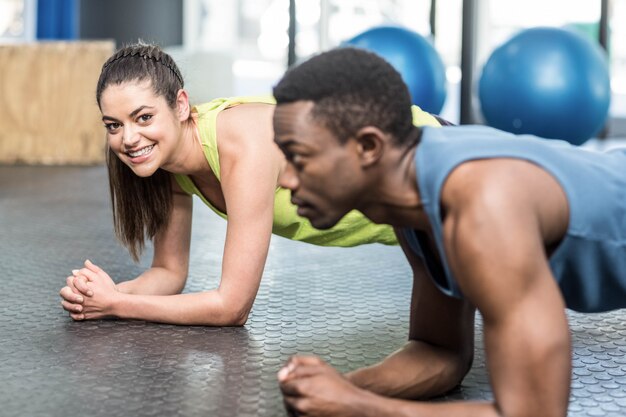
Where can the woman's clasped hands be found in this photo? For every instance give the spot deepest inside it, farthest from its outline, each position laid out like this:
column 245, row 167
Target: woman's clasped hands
column 90, row 293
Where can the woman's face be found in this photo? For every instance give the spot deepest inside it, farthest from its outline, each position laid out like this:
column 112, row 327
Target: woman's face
column 142, row 129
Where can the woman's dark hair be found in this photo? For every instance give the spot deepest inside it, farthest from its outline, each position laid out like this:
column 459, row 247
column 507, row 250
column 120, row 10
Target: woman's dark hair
column 141, row 206
column 351, row 88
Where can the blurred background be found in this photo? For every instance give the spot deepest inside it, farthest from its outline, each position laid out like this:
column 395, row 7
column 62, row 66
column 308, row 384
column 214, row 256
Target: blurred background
column 242, row 47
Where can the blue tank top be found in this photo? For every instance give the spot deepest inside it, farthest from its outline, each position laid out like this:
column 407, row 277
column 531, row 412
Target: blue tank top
column 590, row 262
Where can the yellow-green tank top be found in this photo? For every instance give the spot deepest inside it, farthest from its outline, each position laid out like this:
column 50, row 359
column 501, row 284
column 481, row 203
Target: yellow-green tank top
column 354, row 229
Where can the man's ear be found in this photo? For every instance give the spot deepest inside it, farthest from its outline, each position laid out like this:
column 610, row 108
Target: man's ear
column 371, row 143
column 183, row 108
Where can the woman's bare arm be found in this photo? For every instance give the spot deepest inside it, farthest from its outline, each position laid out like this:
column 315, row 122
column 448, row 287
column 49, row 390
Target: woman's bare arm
column 170, row 263
column 249, row 169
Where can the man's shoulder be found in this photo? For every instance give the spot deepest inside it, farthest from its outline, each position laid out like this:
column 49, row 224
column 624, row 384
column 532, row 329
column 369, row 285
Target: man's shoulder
column 483, row 183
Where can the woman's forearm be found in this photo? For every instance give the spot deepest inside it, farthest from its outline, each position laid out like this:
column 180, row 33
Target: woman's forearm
column 154, row 281
column 206, row 308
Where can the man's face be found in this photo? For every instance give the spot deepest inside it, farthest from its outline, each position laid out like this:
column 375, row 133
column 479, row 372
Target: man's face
column 322, row 174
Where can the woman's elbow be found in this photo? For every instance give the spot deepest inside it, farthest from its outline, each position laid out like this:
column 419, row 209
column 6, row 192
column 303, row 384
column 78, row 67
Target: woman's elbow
column 237, row 317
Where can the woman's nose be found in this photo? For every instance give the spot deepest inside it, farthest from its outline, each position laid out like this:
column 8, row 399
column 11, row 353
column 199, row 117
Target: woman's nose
column 130, row 138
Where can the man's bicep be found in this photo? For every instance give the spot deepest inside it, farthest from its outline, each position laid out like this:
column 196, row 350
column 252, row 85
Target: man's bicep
column 501, row 266
column 528, row 351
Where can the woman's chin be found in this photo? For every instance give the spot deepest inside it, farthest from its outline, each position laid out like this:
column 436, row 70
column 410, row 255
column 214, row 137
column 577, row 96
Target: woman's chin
column 143, row 171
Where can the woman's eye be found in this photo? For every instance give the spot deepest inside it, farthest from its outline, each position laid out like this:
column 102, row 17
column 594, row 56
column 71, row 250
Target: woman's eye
column 145, row 117
column 111, row 126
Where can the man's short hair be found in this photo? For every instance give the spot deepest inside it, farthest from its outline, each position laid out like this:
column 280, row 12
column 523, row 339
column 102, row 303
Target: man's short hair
column 351, row 88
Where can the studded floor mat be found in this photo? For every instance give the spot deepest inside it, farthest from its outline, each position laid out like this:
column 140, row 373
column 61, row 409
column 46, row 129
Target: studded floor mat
column 350, row 306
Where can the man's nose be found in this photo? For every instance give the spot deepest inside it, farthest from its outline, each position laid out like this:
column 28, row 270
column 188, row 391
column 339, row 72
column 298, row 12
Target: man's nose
column 289, row 178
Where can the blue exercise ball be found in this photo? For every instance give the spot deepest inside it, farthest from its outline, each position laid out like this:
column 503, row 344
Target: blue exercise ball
column 548, row 82
column 413, row 57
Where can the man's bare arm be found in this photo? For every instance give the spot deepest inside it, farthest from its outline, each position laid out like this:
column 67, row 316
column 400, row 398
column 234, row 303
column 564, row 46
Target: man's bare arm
column 440, row 347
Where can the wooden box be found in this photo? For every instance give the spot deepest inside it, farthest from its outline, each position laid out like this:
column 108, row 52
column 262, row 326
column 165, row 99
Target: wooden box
column 48, row 109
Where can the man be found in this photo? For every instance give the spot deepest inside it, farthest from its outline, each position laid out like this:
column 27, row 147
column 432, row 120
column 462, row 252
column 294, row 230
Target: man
column 518, row 227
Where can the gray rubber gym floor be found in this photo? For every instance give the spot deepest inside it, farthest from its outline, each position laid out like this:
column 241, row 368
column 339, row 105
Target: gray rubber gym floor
column 350, row 306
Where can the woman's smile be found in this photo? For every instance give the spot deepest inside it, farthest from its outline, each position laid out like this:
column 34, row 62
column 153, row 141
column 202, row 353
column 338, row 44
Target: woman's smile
column 140, row 155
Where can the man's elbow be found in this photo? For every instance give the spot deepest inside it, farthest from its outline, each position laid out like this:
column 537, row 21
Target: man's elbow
column 459, row 365
column 463, row 366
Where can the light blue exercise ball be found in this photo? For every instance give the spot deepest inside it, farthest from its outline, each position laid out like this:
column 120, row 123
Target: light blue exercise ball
column 548, row 82
column 413, row 57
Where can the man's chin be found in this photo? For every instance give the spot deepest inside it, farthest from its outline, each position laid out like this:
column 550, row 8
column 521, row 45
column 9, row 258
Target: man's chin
column 323, row 223
column 318, row 219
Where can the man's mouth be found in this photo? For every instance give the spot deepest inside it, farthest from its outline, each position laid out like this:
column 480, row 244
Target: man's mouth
column 297, row 202
column 304, row 208
column 140, row 152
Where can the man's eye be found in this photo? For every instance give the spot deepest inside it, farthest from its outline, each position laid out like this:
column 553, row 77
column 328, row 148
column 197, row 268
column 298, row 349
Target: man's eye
column 297, row 161
column 293, row 158
column 288, row 155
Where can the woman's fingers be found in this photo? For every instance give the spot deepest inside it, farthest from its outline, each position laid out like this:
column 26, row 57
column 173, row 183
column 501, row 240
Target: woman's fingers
column 77, row 317
column 87, row 273
column 95, row 268
column 71, row 308
column 80, row 282
column 69, row 295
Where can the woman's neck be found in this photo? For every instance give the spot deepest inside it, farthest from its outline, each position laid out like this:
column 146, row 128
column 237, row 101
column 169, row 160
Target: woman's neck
column 189, row 158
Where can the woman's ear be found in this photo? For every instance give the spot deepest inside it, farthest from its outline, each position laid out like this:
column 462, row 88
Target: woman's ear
column 371, row 142
column 183, row 108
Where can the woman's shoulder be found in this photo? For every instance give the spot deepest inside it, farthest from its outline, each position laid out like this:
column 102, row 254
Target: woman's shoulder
column 246, row 125
column 222, row 103
column 245, row 138
column 233, row 118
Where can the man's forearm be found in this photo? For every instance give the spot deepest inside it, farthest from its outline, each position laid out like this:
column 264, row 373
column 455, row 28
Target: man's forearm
column 382, row 407
column 417, row 371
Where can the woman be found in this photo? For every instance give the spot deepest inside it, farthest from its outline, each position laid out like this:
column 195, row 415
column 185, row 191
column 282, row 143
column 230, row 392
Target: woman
column 160, row 152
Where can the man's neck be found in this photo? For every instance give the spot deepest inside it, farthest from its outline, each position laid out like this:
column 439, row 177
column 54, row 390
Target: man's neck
column 394, row 198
